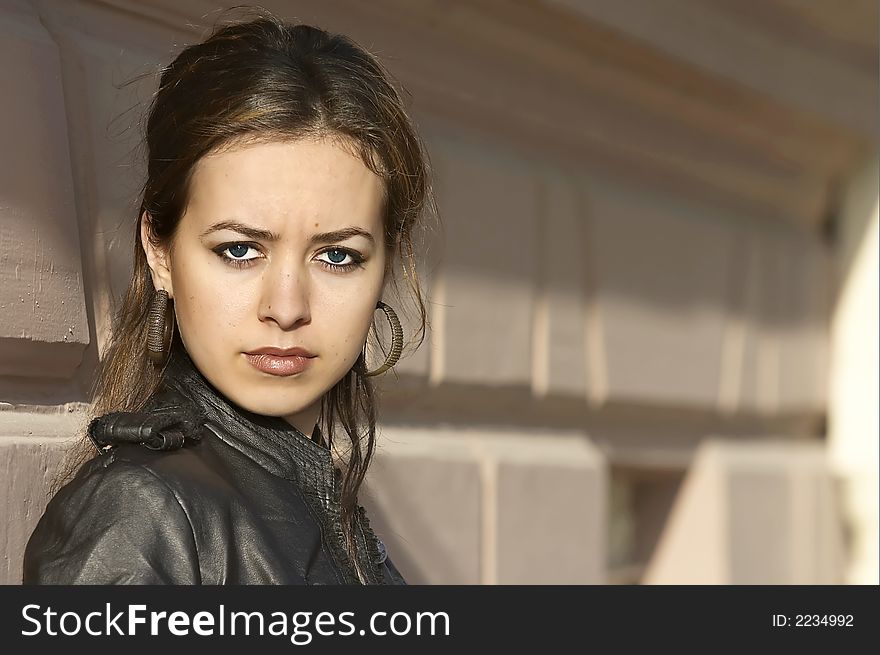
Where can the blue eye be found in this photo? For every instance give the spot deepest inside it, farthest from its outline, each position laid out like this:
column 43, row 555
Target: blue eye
column 337, row 256
column 237, row 252
column 336, row 259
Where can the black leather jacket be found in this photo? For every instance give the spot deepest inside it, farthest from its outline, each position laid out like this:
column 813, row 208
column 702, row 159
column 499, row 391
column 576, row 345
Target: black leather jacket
column 196, row 490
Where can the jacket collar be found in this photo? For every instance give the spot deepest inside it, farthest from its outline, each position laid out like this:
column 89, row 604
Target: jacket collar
column 271, row 441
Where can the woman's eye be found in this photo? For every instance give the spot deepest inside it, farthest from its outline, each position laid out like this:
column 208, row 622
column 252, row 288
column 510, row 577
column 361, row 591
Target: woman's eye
column 239, row 250
column 337, row 256
column 234, row 254
column 340, row 259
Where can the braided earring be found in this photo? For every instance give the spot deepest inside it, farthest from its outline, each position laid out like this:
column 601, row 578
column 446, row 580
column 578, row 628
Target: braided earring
column 396, row 340
column 160, row 322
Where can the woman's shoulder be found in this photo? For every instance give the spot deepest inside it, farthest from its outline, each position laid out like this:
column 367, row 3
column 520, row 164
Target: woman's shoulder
column 126, row 504
column 120, row 519
column 135, row 469
column 159, row 442
column 123, row 478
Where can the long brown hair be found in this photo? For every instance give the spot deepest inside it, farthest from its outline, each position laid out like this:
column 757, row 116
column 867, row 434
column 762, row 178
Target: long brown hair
column 261, row 80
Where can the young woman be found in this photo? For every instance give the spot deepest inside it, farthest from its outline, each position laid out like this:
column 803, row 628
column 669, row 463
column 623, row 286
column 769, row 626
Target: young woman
column 234, row 415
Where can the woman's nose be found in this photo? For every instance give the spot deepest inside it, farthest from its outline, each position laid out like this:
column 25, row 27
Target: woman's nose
column 285, row 296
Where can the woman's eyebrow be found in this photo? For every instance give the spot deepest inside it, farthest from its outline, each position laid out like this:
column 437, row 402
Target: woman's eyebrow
column 266, row 235
column 341, row 235
column 241, row 228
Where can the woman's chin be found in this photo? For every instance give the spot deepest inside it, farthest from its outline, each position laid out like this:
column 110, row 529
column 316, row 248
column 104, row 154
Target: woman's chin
column 276, row 409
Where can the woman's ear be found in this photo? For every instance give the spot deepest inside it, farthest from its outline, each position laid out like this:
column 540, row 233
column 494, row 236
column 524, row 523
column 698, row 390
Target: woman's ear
column 157, row 258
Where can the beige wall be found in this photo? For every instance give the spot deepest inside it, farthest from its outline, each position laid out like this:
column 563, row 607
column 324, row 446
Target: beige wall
column 628, row 372
column 853, row 405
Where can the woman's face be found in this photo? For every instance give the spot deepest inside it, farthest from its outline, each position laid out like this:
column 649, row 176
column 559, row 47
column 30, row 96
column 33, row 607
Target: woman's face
column 281, row 246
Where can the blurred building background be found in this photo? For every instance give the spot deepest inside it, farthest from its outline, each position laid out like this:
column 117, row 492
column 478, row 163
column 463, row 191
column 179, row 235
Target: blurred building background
column 653, row 355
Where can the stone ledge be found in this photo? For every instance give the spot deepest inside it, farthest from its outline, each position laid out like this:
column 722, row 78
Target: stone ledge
column 29, row 461
column 508, row 507
column 753, row 513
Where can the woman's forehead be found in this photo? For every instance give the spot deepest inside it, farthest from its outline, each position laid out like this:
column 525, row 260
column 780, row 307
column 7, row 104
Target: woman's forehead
column 281, row 182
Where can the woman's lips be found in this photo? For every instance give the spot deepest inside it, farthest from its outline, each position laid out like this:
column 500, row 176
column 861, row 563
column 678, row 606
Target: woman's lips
column 279, row 365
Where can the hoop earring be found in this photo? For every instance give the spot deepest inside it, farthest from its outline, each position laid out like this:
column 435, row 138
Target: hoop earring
column 160, row 322
column 396, row 340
